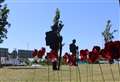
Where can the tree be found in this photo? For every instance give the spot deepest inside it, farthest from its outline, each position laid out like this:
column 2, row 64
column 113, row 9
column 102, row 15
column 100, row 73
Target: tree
column 3, row 21
column 108, row 36
column 4, row 24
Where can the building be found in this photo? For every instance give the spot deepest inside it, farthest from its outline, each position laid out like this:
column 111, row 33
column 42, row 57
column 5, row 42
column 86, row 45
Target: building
column 4, row 52
column 16, row 57
column 25, row 53
column 3, row 55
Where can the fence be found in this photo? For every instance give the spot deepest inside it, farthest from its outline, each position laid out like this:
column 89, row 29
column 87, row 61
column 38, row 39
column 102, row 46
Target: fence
column 81, row 73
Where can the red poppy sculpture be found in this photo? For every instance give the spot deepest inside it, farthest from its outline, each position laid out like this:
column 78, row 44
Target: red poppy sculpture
column 112, row 49
column 52, row 56
column 37, row 55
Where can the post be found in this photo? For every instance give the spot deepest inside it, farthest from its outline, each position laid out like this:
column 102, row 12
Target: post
column 119, row 2
column 0, row 61
column 60, row 56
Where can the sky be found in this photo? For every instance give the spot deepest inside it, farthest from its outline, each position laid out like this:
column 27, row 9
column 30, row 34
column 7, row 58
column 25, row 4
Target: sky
column 84, row 20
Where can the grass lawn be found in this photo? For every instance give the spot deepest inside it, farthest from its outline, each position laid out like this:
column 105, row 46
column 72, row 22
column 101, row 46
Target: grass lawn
column 82, row 73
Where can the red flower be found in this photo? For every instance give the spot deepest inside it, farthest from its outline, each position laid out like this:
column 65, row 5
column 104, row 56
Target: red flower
column 113, row 48
column 43, row 50
column 83, row 55
column 35, row 52
column 72, row 59
column 108, row 55
column 41, row 53
column 93, row 57
column 66, row 58
column 52, row 56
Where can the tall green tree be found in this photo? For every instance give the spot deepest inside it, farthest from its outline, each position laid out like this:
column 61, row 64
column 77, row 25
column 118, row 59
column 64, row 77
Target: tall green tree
column 3, row 21
column 4, row 24
column 107, row 34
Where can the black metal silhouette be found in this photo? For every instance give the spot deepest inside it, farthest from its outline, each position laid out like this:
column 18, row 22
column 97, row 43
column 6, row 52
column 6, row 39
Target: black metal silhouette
column 54, row 39
column 73, row 49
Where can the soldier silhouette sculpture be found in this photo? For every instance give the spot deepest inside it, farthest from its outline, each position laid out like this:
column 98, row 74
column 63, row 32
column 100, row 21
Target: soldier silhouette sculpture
column 73, row 49
column 54, row 41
